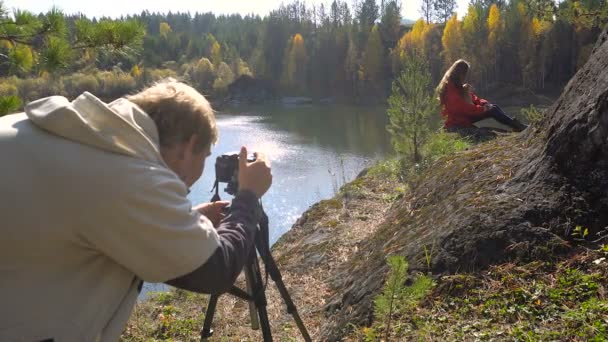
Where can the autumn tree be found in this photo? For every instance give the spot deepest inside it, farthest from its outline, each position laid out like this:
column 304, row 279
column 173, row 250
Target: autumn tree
column 223, row 77
column 242, row 68
column 495, row 35
column 473, row 37
column 216, row 53
column 164, row 29
column 452, row 41
column 202, row 75
column 413, row 41
column 295, row 63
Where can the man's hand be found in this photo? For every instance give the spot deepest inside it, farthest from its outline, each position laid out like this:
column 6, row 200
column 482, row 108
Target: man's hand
column 255, row 176
column 487, row 107
column 212, row 210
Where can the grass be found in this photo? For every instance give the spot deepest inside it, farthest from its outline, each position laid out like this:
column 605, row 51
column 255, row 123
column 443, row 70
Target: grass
column 173, row 315
column 537, row 301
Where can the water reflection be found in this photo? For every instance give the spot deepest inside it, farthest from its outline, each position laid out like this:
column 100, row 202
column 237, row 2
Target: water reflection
column 340, row 128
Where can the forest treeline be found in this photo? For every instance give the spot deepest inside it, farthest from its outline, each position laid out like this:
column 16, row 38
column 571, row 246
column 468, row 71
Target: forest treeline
column 346, row 51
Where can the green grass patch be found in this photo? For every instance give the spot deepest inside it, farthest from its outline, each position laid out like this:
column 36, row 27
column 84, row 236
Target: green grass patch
column 386, row 168
column 566, row 300
column 443, row 144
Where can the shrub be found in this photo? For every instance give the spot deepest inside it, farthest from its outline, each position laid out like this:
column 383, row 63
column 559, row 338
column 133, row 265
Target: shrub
column 78, row 83
column 154, row 75
column 8, row 87
column 9, row 104
column 30, row 89
column 115, row 84
column 532, row 114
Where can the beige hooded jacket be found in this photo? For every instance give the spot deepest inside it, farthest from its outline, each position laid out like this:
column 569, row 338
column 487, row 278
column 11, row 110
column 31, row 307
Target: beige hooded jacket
column 87, row 209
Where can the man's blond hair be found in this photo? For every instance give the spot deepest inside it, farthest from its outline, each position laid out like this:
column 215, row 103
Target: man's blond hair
column 179, row 112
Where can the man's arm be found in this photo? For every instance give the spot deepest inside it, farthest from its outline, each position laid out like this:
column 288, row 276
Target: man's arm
column 236, row 234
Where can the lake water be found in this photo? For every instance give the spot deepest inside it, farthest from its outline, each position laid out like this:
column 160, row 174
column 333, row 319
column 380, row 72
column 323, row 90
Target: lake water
column 313, row 151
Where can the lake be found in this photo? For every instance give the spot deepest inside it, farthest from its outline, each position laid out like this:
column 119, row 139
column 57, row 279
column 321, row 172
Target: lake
column 313, row 149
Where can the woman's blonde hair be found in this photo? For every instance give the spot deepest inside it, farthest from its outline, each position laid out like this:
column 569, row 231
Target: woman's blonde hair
column 453, row 75
column 179, row 112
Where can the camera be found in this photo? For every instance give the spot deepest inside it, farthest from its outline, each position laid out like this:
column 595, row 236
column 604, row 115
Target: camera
column 227, row 170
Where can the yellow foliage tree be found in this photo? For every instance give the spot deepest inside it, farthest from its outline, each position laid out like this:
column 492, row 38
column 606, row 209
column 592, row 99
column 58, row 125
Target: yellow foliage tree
column 295, row 65
column 202, row 75
column 164, row 29
column 452, row 41
column 495, row 34
column 224, row 76
column 472, row 36
column 415, row 40
column 216, row 53
column 135, row 71
column 242, row 68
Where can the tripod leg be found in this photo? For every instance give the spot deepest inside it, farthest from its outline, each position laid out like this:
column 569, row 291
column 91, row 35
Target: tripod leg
column 207, row 331
column 259, row 296
column 275, row 274
column 253, row 315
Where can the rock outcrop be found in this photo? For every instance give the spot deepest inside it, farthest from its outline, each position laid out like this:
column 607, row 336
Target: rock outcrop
column 519, row 197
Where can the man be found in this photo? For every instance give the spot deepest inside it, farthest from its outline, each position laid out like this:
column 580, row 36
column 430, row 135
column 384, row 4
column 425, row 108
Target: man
column 94, row 201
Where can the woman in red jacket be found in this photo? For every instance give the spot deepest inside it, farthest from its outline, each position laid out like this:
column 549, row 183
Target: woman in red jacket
column 461, row 108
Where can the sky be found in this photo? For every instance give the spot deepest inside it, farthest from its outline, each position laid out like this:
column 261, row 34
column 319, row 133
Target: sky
column 116, row 8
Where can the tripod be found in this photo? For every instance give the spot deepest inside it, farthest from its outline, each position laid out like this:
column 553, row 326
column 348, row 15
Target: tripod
column 255, row 294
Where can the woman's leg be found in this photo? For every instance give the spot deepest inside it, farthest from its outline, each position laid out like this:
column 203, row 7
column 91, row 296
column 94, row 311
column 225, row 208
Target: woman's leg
column 499, row 115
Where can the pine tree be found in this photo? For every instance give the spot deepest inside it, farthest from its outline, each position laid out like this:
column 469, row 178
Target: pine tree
column 427, row 10
column 45, row 39
column 444, row 9
column 386, row 303
column 391, row 22
column 367, row 14
column 411, row 104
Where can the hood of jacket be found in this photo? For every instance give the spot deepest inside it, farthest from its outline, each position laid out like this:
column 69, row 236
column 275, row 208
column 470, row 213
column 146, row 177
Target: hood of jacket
column 119, row 127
